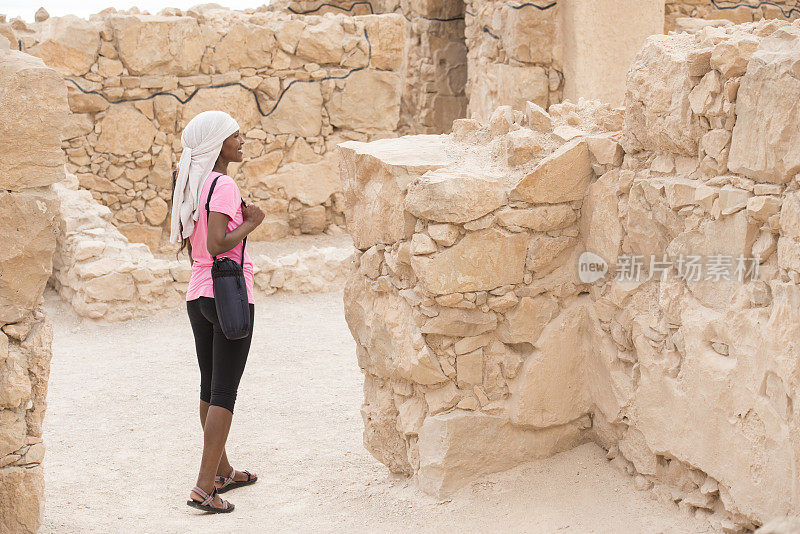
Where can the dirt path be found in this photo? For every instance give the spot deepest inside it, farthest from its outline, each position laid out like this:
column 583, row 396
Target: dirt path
column 124, row 442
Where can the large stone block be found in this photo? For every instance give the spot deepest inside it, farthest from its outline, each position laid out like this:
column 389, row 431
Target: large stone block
column 21, row 499
column 458, row 447
column 125, row 130
column 322, row 43
column 562, row 176
column 311, row 184
column 766, row 137
column 29, row 228
column 298, row 113
column 658, row 114
column 455, row 196
column 245, row 45
column 528, row 34
column 481, row 261
column 387, row 33
column 550, row 388
column 237, row 101
column 68, row 44
column 375, row 177
column 33, row 111
column 601, row 39
column 151, row 45
column 384, row 325
column 347, row 109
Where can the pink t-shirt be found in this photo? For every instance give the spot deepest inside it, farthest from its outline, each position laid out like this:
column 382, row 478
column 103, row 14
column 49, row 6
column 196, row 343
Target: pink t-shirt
column 228, row 200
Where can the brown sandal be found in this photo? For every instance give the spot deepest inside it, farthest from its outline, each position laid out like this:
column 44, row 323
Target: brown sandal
column 228, row 483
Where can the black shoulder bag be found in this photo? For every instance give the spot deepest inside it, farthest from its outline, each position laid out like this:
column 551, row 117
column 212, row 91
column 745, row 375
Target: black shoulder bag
column 230, row 290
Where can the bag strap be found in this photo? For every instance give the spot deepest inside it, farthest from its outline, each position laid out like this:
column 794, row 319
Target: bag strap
column 208, row 215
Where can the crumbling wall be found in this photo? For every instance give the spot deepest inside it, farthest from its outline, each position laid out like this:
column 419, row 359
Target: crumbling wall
column 104, row 276
column 33, row 107
column 295, row 84
column 548, row 51
column 484, row 345
column 737, row 12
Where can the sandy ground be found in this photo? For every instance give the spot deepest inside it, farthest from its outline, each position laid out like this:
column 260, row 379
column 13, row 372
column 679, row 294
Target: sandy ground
column 124, row 442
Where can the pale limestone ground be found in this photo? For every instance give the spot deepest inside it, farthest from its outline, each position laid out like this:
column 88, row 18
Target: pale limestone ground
column 123, row 442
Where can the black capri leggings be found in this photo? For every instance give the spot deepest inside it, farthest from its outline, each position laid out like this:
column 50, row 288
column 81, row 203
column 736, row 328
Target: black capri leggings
column 221, row 360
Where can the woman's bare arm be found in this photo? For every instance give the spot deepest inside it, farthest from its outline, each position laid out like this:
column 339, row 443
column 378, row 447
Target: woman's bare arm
column 219, row 240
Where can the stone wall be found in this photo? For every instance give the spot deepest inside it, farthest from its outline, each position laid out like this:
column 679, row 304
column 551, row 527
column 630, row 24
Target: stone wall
column 294, row 83
column 727, row 10
column 104, row 276
column 482, row 344
column 550, row 51
column 33, row 107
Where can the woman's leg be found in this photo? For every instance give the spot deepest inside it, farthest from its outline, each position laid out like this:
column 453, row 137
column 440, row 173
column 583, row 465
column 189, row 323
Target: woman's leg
column 224, row 468
column 229, row 359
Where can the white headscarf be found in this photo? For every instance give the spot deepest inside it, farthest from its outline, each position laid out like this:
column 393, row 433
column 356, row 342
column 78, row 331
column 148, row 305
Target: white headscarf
column 202, row 141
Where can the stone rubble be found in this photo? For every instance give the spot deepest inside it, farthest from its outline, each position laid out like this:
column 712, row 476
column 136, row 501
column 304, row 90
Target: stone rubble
column 481, row 345
column 33, row 106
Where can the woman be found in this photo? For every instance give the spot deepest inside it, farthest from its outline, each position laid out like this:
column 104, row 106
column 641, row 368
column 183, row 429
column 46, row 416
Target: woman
column 210, row 142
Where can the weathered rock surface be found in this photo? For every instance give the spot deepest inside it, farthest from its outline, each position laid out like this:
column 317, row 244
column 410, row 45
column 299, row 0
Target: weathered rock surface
column 32, row 100
column 158, row 45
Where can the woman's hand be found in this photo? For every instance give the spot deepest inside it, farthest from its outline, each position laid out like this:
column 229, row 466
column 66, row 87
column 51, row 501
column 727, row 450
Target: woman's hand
column 253, row 216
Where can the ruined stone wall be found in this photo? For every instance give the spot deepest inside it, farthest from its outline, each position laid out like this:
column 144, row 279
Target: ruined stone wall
column 548, row 51
column 104, row 276
column 296, row 85
column 33, row 107
column 483, row 347
column 737, row 12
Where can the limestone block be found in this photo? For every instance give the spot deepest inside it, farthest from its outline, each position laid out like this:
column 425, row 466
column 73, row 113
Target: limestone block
column 85, row 103
column 460, row 322
column 159, row 45
column 528, row 34
column 258, row 169
column 604, row 37
column 443, row 234
column 33, row 111
column 544, row 250
column 322, row 43
column 142, row 233
column 460, row 446
column 68, row 44
column 445, row 195
column 766, row 140
column 387, row 35
column 560, row 177
column 550, row 390
column 311, row 184
column 15, row 386
column 21, row 499
column 237, row 101
column 243, row 46
column 156, row 211
column 658, row 114
column 28, row 227
column 605, row 149
column 481, row 261
column 731, row 56
column 790, row 215
column 384, row 325
column 526, row 320
column 347, row 110
column 381, row 437
column 538, row 218
column 537, row 118
column 299, row 112
column 12, row 431
column 375, row 177
column 600, row 223
column 125, row 130
column 312, row 220
column 77, row 125
column 439, row 9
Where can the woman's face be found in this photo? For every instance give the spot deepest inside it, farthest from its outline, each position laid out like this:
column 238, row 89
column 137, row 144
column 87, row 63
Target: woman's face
column 232, row 148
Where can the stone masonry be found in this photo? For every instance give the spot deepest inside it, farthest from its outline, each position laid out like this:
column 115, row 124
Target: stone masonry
column 33, row 107
column 481, row 345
